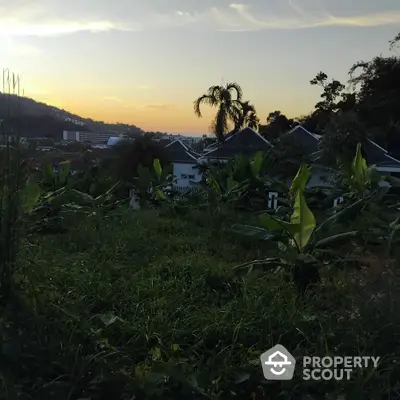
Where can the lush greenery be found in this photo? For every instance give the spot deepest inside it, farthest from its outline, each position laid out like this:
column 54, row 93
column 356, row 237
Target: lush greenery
column 179, row 298
column 171, row 302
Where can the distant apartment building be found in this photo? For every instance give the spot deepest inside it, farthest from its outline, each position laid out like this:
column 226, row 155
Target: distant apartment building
column 82, row 136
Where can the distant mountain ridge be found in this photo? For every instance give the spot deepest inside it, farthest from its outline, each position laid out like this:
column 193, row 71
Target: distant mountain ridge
column 32, row 118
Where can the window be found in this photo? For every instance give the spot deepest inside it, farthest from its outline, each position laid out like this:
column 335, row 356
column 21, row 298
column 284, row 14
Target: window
column 185, row 176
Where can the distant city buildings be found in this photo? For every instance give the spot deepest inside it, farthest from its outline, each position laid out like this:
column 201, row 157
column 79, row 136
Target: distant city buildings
column 104, row 138
column 82, row 136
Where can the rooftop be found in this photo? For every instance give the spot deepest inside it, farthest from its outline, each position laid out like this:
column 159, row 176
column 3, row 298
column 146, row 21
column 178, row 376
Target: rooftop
column 179, row 152
column 246, row 142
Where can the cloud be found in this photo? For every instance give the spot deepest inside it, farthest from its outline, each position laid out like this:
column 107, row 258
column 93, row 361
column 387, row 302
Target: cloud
column 241, row 18
column 112, row 99
column 11, row 47
column 40, row 20
column 53, row 28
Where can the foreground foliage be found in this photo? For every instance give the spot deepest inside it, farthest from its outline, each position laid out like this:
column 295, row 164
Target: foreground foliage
column 155, row 311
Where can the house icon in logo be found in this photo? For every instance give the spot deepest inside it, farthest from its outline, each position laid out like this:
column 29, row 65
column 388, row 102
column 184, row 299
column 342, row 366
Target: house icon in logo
column 278, row 364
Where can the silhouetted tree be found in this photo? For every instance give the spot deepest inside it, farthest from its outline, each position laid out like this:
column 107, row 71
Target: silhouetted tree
column 277, row 125
column 378, row 97
column 246, row 116
column 128, row 154
column 342, row 133
column 228, row 101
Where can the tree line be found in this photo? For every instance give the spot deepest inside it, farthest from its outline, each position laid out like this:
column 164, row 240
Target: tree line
column 368, row 105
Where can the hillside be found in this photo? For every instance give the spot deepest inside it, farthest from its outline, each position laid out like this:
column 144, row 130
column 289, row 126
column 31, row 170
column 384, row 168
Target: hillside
column 32, row 118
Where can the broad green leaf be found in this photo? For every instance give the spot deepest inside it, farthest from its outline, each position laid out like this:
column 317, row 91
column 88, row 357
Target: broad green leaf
column 304, row 219
column 253, row 231
column 108, row 319
column 81, row 197
column 270, row 223
column 264, row 265
column 257, row 163
column 157, row 168
column 30, row 197
column 63, row 172
column 213, row 183
column 230, row 184
column 108, row 195
column 359, row 169
column 375, row 176
column 161, row 194
column 175, row 347
column 347, row 213
column 48, row 173
column 275, row 224
column 56, row 193
column 335, row 239
column 144, row 178
column 299, row 182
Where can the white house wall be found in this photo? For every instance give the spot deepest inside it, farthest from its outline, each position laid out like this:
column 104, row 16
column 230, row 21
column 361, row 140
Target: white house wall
column 319, row 177
column 184, row 173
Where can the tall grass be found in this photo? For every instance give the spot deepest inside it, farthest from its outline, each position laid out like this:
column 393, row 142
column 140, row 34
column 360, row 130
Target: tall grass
column 10, row 187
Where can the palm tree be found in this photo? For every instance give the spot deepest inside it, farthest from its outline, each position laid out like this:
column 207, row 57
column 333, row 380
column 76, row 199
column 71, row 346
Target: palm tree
column 228, row 106
column 246, row 116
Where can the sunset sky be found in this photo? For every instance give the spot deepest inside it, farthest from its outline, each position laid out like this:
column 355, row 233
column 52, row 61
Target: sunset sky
column 145, row 61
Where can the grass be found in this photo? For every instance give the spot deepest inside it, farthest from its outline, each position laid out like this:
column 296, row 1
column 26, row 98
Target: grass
column 158, row 298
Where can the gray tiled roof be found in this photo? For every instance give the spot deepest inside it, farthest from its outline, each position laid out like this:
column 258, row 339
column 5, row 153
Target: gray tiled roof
column 246, row 142
column 179, row 152
column 377, row 155
column 308, row 141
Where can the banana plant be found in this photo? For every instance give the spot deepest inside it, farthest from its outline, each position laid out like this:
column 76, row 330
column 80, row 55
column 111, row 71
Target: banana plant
column 299, row 235
column 357, row 179
column 42, row 210
column 241, row 179
column 152, row 183
column 54, row 180
column 92, row 206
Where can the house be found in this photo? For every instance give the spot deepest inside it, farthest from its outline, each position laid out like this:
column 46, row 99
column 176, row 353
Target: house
column 184, row 162
column 378, row 156
column 246, row 142
column 307, row 141
column 310, row 144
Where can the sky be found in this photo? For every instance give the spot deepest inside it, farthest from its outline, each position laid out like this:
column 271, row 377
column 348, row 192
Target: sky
column 145, row 62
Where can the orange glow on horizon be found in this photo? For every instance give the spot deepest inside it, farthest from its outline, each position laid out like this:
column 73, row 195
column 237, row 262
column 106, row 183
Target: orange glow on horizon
column 157, row 117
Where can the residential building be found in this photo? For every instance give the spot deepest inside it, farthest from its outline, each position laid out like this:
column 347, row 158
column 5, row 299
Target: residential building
column 84, row 136
column 378, row 156
column 184, row 163
column 307, row 141
column 310, row 143
column 246, row 142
